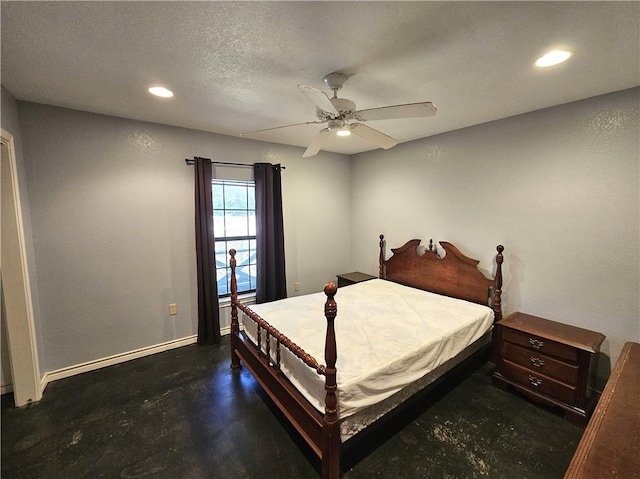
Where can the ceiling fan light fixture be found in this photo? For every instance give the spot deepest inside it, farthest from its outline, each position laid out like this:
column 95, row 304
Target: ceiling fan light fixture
column 553, row 57
column 340, row 127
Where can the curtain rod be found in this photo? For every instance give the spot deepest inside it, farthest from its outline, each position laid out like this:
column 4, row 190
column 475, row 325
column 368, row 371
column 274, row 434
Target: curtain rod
column 190, row 162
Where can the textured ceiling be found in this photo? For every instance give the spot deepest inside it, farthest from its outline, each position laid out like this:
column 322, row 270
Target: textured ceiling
column 234, row 66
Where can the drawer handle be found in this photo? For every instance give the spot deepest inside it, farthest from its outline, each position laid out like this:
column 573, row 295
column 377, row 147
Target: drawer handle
column 535, row 382
column 536, row 343
column 537, row 362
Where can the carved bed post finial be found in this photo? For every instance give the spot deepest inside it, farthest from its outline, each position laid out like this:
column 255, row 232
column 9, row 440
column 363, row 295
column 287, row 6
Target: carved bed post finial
column 381, row 258
column 497, row 298
column 432, row 247
column 235, row 327
column 331, row 426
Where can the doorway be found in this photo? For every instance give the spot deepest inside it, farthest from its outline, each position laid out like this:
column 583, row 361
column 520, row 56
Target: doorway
column 15, row 291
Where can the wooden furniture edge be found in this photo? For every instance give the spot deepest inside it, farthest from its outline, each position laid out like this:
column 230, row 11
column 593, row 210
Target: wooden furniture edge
column 354, row 277
column 592, row 346
column 585, row 446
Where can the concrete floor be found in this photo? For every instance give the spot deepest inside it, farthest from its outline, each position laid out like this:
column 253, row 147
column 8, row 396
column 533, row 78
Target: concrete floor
column 185, row 414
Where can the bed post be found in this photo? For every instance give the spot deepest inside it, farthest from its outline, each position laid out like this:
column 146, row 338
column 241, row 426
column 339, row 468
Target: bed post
column 497, row 297
column 381, row 258
column 235, row 328
column 330, row 424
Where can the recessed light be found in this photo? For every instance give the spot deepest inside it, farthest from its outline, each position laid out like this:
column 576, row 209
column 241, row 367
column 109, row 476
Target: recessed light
column 553, row 58
column 161, row 91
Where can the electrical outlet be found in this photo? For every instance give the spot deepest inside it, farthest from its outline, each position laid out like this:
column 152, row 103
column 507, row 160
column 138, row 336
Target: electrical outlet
column 296, row 286
column 173, row 309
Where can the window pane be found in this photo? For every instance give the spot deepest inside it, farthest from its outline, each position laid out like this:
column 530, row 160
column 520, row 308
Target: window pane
column 244, row 278
column 223, row 280
column 235, row 197
column 254, row 276
column 252, row 223
column 242, row 251
column 218, row 196
column 237, row 223
column 251, row 193
column 222, row 254
column 219, row 230
column 252, row 251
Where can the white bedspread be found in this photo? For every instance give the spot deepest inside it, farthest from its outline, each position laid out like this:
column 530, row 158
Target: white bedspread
column 387, row 336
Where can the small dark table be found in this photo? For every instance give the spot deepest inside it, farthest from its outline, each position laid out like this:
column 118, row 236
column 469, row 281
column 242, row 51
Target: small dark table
column 345, row 279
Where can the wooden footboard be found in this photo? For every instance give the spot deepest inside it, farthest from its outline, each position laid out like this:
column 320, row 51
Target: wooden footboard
column 320, row 431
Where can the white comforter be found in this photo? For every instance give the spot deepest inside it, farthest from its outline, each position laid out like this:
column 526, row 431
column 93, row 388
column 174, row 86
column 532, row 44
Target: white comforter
column 387, row 336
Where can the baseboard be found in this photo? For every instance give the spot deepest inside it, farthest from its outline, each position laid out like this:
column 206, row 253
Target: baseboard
column 7, row 388
column 112, row 360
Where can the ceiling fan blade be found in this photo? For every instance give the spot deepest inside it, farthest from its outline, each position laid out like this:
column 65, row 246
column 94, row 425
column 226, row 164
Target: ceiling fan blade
column 373, row 136
column 410, row 110
column 316, row 144
column 319, row 98
column 278, row 127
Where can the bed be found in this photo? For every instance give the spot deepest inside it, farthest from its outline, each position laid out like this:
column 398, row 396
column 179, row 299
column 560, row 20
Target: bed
column 426, row 313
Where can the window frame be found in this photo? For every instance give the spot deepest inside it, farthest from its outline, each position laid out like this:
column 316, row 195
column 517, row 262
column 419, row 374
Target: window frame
column 250, row 265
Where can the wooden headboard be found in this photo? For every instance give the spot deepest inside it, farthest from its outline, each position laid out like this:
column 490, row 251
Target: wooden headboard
column 454, row 275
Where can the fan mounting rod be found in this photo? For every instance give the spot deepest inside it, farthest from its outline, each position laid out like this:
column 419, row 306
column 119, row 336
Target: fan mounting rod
column 335, row 81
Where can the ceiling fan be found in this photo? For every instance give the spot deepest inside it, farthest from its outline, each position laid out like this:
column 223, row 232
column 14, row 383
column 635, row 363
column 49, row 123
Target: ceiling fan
column 343, row 119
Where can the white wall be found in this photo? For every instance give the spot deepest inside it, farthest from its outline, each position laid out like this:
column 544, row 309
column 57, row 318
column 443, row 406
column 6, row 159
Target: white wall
column 111, row 202
column 557, row 187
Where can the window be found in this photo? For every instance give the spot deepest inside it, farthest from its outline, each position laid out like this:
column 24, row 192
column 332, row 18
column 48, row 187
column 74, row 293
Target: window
column 234, row 226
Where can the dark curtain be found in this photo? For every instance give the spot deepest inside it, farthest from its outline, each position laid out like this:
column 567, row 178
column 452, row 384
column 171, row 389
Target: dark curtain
column 208, row 312
column 269, row 233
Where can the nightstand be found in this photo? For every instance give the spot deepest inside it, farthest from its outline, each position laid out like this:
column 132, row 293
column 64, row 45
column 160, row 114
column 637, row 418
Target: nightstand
column 346, row 279
column 549, row 362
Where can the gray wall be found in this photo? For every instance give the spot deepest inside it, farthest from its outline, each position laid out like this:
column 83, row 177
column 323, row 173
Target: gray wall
column 111, row 203
column 557, row 187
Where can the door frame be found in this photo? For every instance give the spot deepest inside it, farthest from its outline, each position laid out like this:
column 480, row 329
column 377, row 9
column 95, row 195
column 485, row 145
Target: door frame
column 15, row 288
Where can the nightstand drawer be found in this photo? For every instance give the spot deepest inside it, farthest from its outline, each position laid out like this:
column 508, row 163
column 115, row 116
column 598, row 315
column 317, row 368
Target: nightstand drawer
column 542, row 363
column 543, row 345
column 541, row 383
